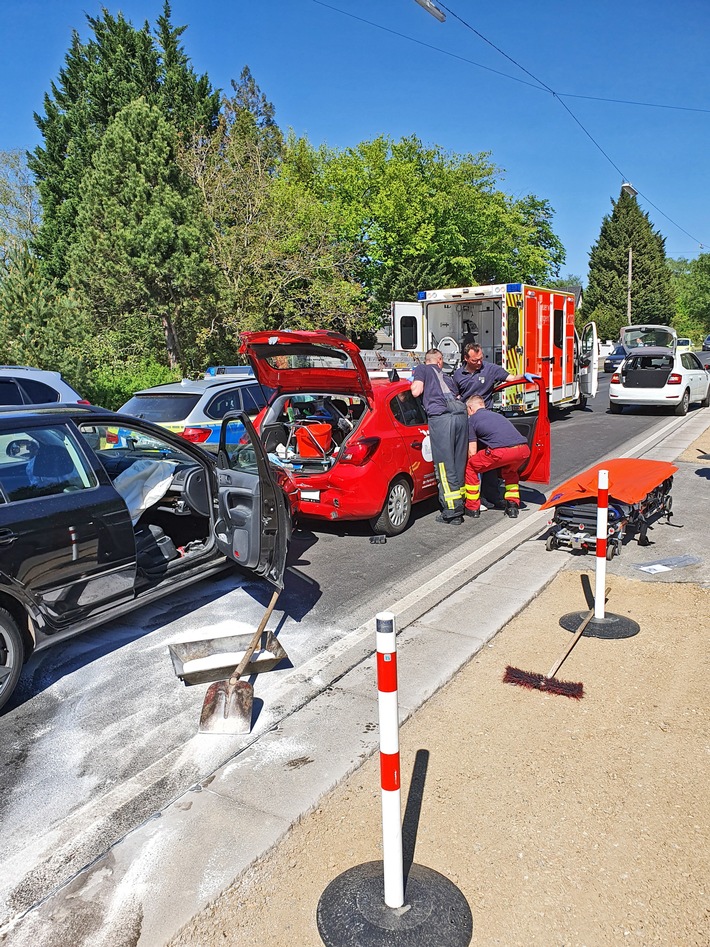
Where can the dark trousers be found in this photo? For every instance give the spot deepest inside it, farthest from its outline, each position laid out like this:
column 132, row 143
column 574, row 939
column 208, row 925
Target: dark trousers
column 449, row 450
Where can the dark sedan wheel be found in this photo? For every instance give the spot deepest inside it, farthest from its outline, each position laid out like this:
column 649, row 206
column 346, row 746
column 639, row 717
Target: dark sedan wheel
column 12, row 655
column 682, row 409
column 397, row 509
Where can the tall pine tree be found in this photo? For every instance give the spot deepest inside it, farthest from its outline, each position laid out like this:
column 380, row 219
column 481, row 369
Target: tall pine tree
column 115, row 66
column 139, row 259
column 605, row 299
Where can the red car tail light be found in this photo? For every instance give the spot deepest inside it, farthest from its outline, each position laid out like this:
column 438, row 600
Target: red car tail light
column 196, row 435
column 360, row 451
column 111, row 436
column 675, row 379
column 615, row 378
column 83, row 401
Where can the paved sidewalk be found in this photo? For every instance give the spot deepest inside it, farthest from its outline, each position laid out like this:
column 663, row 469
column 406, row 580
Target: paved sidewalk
column 153, row 881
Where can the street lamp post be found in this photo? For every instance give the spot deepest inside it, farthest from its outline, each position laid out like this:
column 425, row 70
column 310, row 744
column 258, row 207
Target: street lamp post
column 628, row 288
column 632, row 192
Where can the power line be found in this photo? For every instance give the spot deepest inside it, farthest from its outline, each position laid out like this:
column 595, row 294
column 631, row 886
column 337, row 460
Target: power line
column 569, row 111
column 537, row 83
column 411, row 39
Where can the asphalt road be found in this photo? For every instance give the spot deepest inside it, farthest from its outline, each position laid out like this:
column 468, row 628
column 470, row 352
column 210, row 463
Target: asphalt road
column 102, row 735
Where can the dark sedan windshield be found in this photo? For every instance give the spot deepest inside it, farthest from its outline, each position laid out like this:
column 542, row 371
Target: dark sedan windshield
column 157, row 408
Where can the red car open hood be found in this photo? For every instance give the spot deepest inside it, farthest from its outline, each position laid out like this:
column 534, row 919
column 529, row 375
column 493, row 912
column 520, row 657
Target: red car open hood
column 307, row 361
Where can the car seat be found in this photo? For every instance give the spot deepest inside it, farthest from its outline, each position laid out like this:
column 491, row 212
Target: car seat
column 51, row 465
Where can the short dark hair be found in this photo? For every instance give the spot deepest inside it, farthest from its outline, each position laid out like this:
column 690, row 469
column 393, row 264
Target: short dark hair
column 471, row 347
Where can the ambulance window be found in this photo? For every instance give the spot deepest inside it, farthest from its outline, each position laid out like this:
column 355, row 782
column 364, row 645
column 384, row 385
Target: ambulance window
column 513, row 327
column 408, row 331
column 558, row 331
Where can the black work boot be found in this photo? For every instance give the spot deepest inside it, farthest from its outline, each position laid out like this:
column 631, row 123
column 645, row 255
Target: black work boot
column 511, row 509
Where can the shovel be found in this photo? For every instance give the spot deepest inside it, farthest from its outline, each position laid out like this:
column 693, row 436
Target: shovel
column 228, row 704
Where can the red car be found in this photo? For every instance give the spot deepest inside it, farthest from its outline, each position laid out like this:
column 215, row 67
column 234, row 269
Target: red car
column 354, row 445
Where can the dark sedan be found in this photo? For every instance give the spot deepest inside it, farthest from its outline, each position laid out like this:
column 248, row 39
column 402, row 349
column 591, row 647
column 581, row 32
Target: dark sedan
column 101, row 512
column 617, row 356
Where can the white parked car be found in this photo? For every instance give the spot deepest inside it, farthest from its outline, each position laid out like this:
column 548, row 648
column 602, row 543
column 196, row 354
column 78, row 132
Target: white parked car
column 660, row 376
column 20, row 384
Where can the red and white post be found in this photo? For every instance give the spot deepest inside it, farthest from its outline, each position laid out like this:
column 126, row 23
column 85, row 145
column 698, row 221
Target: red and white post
column 388, row 712
column 602, row 533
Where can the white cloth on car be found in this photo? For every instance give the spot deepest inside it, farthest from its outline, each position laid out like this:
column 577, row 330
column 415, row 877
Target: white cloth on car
column 143, row 484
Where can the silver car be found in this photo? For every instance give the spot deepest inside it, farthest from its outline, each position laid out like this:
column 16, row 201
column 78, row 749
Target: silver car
column 194, row 409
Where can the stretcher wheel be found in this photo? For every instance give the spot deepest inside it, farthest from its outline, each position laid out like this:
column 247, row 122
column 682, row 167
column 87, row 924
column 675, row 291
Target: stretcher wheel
column 667, row 505
column 610, row 551
column 551, row 543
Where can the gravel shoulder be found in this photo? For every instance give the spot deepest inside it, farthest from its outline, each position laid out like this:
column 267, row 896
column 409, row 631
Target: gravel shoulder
column 562, row 822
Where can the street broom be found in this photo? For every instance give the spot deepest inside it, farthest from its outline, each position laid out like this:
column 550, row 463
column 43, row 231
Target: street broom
column 548, row 682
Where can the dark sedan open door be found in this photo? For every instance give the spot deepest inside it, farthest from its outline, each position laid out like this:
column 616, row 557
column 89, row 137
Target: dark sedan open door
column 253, row 524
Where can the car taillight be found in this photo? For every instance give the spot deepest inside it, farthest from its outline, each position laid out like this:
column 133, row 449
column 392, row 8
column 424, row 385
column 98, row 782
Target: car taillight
column 675, row 379
column 359, row 452
column 196, row 435
column 615, row 378
column 83, row 401
column 111, row 436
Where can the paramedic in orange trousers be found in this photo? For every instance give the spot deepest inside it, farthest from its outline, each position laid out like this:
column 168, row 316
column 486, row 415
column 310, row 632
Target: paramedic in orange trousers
column 478, row 377
column 493, row 444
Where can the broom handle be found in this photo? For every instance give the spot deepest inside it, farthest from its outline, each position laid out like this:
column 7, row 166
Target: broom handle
column 239, row 669
column 577, row 635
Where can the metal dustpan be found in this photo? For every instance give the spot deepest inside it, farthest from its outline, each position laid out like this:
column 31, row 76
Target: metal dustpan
column 214, row 659
column 228, row 705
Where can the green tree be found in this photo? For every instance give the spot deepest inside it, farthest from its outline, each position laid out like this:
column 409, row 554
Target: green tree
column 139, row 261
column 39, row 324
column 567, row 282
column 691, row 286
column 419, row 217
column 19, row 204
column 605, row 298
column 115, row 66
column 280, row 262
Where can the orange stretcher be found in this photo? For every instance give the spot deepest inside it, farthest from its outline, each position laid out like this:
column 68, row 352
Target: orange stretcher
column 639, row 493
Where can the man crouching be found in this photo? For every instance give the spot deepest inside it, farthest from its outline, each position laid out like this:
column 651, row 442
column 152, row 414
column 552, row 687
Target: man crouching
column 493, row 443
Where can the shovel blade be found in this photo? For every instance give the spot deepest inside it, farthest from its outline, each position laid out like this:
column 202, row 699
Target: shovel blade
column 227, row 708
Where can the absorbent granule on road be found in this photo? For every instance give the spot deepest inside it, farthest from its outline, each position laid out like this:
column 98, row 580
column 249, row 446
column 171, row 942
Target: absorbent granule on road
column 583, row 824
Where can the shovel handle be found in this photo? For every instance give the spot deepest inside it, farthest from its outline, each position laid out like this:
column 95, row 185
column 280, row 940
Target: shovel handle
column 239, row 669
column 577, row 635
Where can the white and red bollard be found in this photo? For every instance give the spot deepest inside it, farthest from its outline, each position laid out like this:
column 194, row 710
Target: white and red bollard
column 390, row 773
column 351, row 912
column 602, row 533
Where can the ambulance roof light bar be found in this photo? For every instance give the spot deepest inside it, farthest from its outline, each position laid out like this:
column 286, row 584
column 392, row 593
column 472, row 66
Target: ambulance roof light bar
column 461, row 292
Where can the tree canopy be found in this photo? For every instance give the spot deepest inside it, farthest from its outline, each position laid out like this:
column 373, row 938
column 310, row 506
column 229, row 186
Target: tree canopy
column 139, row 253
column 115, row 66
column 605, row 298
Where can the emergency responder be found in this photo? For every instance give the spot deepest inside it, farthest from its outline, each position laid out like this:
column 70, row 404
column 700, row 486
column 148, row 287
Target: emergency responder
column 493, row 443
column 447, row 433
column 478, row 377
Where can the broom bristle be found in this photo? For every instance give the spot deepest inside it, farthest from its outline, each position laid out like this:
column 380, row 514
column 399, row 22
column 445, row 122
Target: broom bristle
column 541, row 683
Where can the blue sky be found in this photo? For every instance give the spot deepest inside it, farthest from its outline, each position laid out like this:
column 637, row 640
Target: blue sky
column 341, row 71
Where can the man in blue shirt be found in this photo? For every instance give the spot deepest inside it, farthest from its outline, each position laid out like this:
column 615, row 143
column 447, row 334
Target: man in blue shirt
column 447, row 432
column 493, row 443
column 478, row 377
